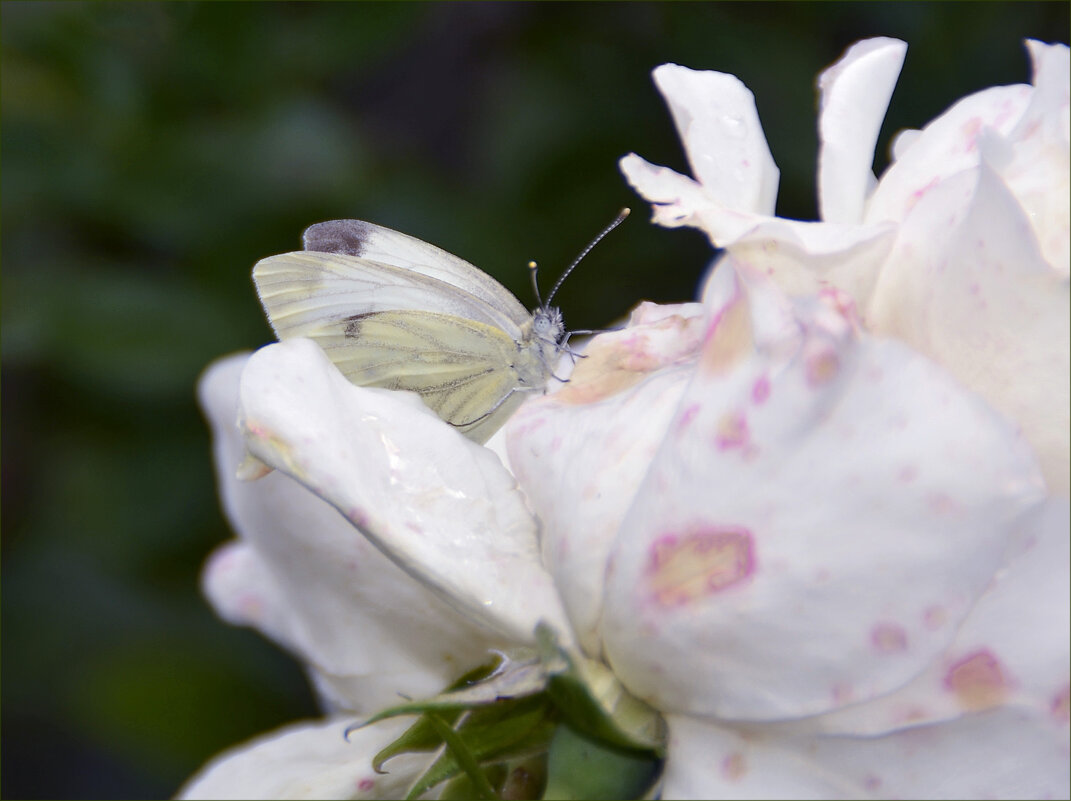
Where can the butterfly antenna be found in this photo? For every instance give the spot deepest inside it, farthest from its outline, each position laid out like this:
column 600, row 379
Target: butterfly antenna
column 533, row 268
column 620, row 218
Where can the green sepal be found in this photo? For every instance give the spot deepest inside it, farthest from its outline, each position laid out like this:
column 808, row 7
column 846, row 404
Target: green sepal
column 508, row 730
column 511, row 677
column 509, row 674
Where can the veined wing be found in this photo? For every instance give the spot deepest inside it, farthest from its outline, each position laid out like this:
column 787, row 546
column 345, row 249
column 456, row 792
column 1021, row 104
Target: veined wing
column 462, row 369
column 386, row 246
column 306, row 290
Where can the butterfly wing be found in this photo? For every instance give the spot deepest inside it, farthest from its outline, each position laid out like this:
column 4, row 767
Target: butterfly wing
column 303, row 290
column 386, row 246
column 464, row 370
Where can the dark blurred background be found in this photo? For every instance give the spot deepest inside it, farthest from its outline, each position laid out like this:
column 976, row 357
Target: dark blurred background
column 153, row 152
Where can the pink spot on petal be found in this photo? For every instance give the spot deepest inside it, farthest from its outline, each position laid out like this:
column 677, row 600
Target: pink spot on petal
column 888, row 638
column 705, row 560
column 364, row 785
column 978, row 681
column 732, row 431
column 843, row 693
column 688, row 416
column 734, row 766
column 871, row 782
column 822, row 367
column 908, row 474
column 761, row 390
column 918, row 194
column 934, row 618
column 842, row 303
column 941, row 504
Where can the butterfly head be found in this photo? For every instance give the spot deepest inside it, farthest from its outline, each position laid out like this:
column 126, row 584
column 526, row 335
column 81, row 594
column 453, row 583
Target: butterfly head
column 548, row 325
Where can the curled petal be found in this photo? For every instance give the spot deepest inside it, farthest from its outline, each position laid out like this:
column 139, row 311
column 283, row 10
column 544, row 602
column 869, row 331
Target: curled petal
column 443, row 509
column 675, row 197
column 719, row 125
column 855, row 94
column 308, row 579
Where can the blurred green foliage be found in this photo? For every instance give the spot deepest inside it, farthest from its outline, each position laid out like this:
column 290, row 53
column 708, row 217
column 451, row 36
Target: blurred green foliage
column 153, row 152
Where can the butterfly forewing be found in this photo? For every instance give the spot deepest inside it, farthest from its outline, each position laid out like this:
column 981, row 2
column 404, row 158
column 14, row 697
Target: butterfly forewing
column 302, row 290
column 386, row 246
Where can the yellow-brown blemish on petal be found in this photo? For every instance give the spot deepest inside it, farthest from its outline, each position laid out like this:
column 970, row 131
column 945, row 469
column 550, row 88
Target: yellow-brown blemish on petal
column 617, row 361
column 729, row 338
column 704, row 561
column 978, row 681
column 732, row 431
column 822, row 367
column 251, row 468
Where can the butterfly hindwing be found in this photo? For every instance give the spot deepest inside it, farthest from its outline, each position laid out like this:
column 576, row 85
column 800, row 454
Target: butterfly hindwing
column 462, row 369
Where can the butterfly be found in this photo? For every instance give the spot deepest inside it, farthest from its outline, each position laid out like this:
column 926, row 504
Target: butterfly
column 392, row 311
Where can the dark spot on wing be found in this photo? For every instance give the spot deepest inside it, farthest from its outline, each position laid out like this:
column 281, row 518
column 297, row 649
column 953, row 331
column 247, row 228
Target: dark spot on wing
column 338, row 236
column 353, row 324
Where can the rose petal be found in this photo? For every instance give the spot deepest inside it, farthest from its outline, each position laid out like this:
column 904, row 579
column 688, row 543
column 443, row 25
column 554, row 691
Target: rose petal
column 855, row 94
column 244, row 593
column 946, row 146
column 309, row 760
column 760, row 572
column 1004, row 753
column 305, row 577
column 675, row 198
column 804, row 256
column 1011, row 650
column 442, row 508
column 574, row 460
column 719, row 125
column 1038, row 171
column 705, row 760
column 968, row 286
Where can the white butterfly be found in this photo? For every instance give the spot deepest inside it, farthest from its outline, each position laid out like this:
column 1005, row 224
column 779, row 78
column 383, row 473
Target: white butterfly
column 392, row 311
